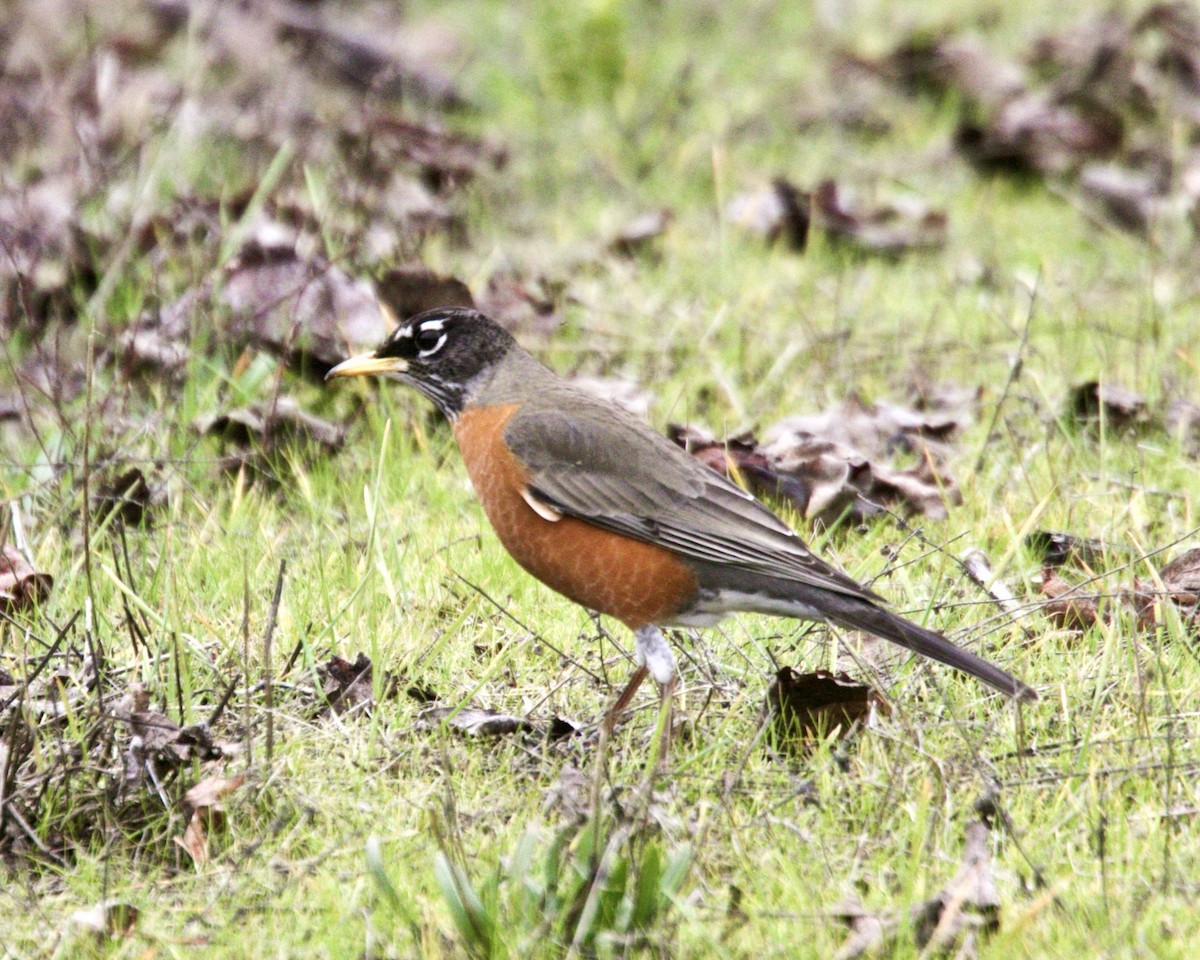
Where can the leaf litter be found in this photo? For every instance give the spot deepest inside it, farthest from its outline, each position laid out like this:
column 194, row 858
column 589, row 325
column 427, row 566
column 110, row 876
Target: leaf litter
column 280, row 83
column 1089, row 109
column 803, row 707
column 783, row 212
column 21, row 586
column 1176, row 586
column 836, row 463
column 951, row 921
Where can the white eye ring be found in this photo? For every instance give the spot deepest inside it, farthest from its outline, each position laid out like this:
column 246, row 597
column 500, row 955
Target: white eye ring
column 435, row 348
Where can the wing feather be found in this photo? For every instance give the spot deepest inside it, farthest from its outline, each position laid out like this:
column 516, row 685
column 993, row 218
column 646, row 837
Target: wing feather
column 610, row 469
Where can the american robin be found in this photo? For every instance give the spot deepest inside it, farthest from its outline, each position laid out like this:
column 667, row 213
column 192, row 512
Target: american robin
column 616, row 517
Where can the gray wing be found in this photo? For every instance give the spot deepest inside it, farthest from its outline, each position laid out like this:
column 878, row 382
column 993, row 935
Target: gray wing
column 610, row 469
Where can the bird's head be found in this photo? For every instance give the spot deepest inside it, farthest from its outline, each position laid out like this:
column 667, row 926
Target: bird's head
column 441, row 352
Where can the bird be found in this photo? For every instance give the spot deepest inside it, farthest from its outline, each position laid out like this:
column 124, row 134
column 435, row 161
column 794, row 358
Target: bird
column 613, row 515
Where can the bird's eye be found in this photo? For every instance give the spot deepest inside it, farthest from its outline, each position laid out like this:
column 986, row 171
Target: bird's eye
column 429, row 339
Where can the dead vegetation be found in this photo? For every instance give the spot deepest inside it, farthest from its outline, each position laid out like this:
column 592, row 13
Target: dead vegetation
column 184, row 252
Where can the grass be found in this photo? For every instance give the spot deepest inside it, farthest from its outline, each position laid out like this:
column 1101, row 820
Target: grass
column 371, row 836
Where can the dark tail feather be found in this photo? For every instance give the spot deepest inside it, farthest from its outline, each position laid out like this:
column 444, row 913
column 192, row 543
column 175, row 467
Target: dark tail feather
column 860, row 615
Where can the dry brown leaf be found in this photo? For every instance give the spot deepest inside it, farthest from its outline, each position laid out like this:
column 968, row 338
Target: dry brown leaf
column 1183, row 423
column 1135, row 199
column 889, row 229
column 570, row 796
column 867, row 930
column 1055, row 549
column 1110, row 403
column 203, row 804
column 806, row 706
column 208, row 793
column 127, row 495
column 477, row 722
column 271, row 426
column 778, row 211
column 414, row 288
column 21, row 587
column 1069, row 607
column 877, row 429
column 940, row 63
column 362, row 61
column 446, row 160
column 156, row 743
column 300, row 308
column 194, row 840
column 525, row 307
column 474, row 721
column 967, row 906
column 348, row 687
column 840, row 481
column 1180, row 585
column 826, row 480
column 44, row 253
column 637, row 236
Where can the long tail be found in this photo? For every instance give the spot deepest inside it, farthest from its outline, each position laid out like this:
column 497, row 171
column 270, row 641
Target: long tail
column 861, row 615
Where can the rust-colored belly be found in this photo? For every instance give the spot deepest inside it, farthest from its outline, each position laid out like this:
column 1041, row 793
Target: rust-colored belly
column 636, row 582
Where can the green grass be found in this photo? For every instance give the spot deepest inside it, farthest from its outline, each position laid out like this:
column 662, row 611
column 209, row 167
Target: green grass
column 678, row 105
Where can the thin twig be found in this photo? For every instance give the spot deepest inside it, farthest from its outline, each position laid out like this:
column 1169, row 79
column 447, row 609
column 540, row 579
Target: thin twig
column 267, row 635
column 1014, row 371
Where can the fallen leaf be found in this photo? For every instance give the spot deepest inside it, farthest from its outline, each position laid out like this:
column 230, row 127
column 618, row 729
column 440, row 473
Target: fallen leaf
column 840, row 481
column 348, row 687
column 300, row 308
column 1039, row 133
column 1183, row 423
column 21, row 587
column 270, row 426
column 202, row 804
column 1109, row 403
column 877, row 429
column 1054, row 549
column 523, row 306
column 361, row 61
column 414, row 288
column 639, row 234
column 805, row 706
column 867, row 931
column 45, row 255
column 967, row 905
column 933, row 64
column 156, row 743
column 888, row 229
column 823, row 479
column 777, row 211
column 207, row 794
column 1179, row 583
column 303, row 309
column 446, row 160
column 474, row 721
column 1068, row 607
column 127, row 496
column 570, row 796
column 1133, row 199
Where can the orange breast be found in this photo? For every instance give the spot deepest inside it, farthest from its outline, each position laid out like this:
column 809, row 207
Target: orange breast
column 638, row 583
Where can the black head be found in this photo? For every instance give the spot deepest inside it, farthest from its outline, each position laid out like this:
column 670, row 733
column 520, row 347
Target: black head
column 441, row 352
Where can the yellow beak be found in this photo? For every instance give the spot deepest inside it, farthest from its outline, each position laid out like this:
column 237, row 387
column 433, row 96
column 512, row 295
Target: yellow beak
column 366, row 364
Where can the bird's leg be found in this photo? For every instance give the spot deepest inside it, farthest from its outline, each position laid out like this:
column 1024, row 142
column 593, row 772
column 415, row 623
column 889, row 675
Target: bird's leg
column 655, row 659
column 613, row 716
